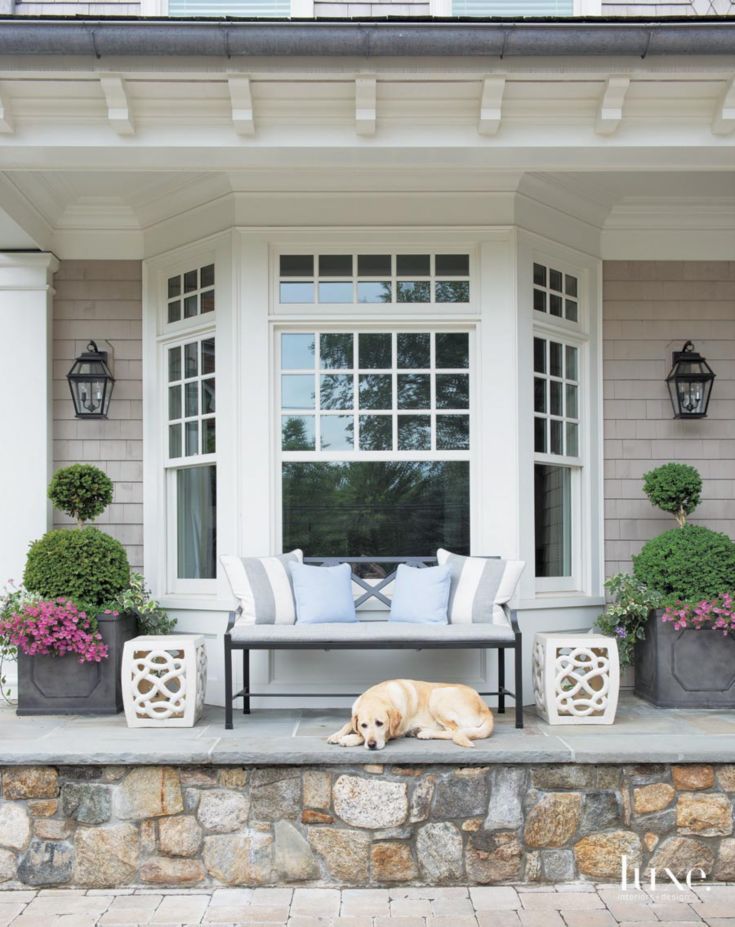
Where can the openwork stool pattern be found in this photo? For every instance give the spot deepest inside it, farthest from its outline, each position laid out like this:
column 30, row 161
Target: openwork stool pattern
column 164, row 680
column 576, row 678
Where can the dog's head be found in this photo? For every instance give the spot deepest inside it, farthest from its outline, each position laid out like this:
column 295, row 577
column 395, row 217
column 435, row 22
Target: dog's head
column 376, row 721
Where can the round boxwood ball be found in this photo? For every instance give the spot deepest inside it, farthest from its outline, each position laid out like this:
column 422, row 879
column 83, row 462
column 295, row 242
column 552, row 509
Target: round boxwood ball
column 688, row 564
column 83, row 564
column 82, row 491
column 675, row 488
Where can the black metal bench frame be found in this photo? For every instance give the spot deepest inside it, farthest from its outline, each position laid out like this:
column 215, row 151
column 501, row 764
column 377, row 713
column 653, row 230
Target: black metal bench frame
column 372, row 591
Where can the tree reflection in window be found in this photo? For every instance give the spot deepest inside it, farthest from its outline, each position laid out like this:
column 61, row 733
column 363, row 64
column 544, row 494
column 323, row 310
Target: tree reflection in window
column 376, row 508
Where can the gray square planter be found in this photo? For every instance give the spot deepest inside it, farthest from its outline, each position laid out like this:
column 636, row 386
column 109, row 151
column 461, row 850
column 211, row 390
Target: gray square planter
column 684, row 669
column 49, row 685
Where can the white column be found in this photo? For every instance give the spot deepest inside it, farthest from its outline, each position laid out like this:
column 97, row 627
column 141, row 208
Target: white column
column 25, row 367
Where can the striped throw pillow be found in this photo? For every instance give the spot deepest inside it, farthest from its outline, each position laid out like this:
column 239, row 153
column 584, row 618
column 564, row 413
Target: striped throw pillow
column 480, row 587
column 263, row 587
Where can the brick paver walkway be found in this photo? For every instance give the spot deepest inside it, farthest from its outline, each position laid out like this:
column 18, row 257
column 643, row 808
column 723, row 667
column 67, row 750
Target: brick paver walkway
column 577, row 905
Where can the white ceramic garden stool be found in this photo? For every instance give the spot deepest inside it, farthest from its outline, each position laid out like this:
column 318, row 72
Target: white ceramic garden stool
column 576, row 678
column 164, row 680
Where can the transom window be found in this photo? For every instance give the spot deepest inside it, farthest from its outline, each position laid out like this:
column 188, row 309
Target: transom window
column 190, row 294
column 555, row 293
column 375, row 391
column 375, row 442
column 374, row 278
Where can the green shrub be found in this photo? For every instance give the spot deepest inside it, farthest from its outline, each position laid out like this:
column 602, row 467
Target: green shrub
column 626, row 615
column 84, row 564
column 82, row 491
column 152, row 619
column 687, row 564
column 675, row 488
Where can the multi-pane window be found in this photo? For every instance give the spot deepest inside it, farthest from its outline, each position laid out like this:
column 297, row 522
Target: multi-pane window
column 375, row 442
column 191, row 398
column 375, row 391
column 555, row 397
column 190, row 294
column 555, row 293
column 556, row 423
column 191, row 440
column 374, row 278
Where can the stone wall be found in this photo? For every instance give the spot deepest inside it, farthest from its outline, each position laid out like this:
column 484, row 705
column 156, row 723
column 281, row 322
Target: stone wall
column 96, row 826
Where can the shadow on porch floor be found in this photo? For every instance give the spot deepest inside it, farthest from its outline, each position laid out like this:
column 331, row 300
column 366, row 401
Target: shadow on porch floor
column 641, row 734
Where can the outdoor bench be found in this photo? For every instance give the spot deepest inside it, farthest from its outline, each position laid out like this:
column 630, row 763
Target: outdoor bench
column 370, row 634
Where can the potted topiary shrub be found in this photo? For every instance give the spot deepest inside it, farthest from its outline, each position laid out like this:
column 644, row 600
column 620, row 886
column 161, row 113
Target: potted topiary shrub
column 68, row 633
column 687, row 656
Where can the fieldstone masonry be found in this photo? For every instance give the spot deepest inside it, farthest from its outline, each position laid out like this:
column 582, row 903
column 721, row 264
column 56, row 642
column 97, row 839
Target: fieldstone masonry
column 116, row 826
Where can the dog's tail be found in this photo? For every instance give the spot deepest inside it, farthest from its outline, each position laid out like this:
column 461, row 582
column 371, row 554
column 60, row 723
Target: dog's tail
column 463, row 737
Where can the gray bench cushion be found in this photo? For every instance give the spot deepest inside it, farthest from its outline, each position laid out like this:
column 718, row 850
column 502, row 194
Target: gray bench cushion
column 363, row 633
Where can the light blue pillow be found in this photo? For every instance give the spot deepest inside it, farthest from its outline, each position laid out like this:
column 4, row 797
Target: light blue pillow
column 421, row 595
column 322, row 594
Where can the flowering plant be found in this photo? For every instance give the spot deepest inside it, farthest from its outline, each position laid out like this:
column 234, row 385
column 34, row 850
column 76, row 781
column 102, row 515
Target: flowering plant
column 51, row 626
column 717, row 614
column 626, row 615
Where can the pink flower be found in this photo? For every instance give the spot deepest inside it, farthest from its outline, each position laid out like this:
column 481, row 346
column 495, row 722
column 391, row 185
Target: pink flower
column 54, row 627
column 717, row 613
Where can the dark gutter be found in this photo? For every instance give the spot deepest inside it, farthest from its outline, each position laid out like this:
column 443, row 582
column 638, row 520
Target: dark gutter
column 224, row 38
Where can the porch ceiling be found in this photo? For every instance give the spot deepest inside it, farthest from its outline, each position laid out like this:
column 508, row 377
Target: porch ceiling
column 115, row 210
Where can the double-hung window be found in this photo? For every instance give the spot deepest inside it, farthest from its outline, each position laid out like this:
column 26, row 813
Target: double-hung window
column 190, row 436
column 375, row 436
column 558, row 426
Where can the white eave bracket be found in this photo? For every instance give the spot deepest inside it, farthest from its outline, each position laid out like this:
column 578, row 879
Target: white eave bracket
column 491, row 105
column 366, row 105
column 7, row 126
column 241, row 101
column 610, row 110
column 118, row 104
column 724, row 121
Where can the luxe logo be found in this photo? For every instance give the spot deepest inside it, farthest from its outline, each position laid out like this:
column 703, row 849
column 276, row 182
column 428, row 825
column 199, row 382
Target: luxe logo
column 632, row 880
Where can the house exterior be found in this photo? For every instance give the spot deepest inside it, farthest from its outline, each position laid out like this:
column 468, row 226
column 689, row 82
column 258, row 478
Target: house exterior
column 367, row 286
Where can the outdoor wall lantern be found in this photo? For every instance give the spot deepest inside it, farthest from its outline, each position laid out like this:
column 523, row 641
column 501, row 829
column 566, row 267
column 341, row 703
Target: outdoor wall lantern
column 690, row 383
column 91, row 383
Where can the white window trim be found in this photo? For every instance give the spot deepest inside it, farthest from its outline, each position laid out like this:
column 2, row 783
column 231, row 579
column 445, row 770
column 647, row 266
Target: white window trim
column 304, row 9
column 160, row 540
column 587, row 506
column 300, row 9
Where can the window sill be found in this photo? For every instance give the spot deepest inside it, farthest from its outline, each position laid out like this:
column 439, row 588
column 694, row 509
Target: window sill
column 196, row 602
column 544, row 601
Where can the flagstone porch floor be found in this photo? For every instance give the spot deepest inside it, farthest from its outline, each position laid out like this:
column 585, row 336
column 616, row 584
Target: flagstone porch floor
column 641, row 734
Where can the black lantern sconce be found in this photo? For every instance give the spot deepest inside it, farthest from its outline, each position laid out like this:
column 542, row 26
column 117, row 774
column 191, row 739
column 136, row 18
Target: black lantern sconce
column 690, row 383
column 91, row 383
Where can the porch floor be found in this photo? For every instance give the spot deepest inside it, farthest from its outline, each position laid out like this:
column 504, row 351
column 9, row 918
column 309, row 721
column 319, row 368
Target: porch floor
column 641, row 734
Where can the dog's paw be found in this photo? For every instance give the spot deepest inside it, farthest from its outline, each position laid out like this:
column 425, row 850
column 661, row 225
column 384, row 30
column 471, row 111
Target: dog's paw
column 334, row 739
column 424, row 735
column 351, row 740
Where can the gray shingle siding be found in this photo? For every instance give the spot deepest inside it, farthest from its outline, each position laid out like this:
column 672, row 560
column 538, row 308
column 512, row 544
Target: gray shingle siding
column 650, row 308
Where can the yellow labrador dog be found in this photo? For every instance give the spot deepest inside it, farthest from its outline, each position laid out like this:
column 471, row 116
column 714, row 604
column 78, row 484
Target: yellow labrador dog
column 407, row 708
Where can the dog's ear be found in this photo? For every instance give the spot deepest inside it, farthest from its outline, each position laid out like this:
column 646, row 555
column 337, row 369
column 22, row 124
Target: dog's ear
column 394, row 721
column 354, row 724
